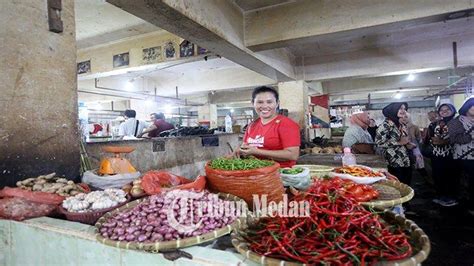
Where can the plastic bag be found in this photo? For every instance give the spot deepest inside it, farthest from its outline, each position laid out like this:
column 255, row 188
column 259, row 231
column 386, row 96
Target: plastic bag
column 299, row 181
column 153, row 182
column 20, row 209
column 33, row 196
column 108, row 181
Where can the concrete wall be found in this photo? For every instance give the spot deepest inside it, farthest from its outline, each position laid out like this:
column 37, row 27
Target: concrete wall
column 38, row 97
column 182, row 156
column 102, row 56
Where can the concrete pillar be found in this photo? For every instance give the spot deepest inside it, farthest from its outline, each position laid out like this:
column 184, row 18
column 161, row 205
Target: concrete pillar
column 213, row 115
column 208, row 112
column 294, row 97
column 38, row 94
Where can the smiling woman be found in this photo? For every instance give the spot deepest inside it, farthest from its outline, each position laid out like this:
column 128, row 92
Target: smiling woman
column 271, row 136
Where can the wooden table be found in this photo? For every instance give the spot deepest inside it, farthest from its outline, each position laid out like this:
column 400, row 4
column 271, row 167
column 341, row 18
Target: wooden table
column 371, row 160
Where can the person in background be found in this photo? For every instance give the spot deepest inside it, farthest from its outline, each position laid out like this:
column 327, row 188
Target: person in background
column 356, row 136
column 372, row 129
column 414, row 136
column 158, row 125
column 445, row 176
column 461, row 135
column 271, row 136
column 131, row 127
column 433, row 116
column 392, row 138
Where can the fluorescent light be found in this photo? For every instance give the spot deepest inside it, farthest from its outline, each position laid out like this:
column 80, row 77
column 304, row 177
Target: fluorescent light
column 397, row 95
column 411, row 77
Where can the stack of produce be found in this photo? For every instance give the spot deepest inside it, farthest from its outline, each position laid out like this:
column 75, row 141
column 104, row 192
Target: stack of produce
column 358, row 171
column 359, row 192
column 51, row 184
column 245, row 178
column 95, row 200
column 135, row 189
column 149, row 221
column 337, row 231
column 325, row 150
column 239, row 164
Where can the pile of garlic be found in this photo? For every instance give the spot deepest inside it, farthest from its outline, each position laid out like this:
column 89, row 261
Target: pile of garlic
column 95, row 200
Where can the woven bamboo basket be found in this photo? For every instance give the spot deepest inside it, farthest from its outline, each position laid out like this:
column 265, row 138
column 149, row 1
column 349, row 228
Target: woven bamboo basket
column 89, row 217
column 167, row 245
column 406, row 194
column 420, row 242
column 317, row 170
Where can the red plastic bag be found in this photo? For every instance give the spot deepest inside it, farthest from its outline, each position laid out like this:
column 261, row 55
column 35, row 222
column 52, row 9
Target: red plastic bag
column 153, row 182
column 33, row 196
column 20, row 209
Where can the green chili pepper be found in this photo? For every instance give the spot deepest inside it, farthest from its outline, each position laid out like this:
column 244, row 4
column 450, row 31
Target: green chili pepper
column 239, row 164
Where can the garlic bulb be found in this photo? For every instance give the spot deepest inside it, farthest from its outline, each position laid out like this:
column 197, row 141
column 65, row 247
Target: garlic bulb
column 95, row 200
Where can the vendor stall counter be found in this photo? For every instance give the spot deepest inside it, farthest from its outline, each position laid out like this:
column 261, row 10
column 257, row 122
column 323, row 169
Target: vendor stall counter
column 183, row 156
column 47, row 241
column 371, row 160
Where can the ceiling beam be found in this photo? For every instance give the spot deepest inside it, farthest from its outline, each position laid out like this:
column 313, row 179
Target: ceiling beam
column 307, row 21
column 428, row 54
column 215, row 25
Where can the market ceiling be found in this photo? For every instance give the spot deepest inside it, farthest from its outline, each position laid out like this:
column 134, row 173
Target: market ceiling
column 281, row 40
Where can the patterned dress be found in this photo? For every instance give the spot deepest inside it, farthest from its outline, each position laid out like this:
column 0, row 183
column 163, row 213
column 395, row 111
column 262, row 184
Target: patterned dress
column 462, row 136
column 440, row 130
column 387, row 138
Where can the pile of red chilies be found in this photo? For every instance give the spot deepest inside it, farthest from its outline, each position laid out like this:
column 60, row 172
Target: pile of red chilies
column 338, row 231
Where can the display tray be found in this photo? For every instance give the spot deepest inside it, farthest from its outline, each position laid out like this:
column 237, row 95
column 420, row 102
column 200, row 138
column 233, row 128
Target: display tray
column 391, row 193
column 89, row 217
column 166, row 245
column 420, row 243
column 317, row 170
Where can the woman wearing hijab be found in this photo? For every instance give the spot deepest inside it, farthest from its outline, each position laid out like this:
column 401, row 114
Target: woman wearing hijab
column 356, row 136
column 461, row 135
column 443, row 164
column 393, row 140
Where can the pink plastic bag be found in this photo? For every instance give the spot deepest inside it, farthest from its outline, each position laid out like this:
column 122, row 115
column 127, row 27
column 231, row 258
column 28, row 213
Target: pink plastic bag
column 20, row 209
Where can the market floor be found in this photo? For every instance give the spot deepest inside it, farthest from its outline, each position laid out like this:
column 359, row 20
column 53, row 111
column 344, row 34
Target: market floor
column 451, row 230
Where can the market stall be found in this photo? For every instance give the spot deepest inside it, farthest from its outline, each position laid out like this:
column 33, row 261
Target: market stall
column 181, row 155
column 274, row 215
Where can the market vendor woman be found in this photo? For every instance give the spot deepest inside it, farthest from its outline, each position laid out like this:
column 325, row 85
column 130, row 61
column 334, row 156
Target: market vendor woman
column 271, row 136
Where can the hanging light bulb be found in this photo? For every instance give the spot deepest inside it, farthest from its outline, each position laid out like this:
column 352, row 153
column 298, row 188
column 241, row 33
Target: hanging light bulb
column 397, row 95
column 411, row 77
